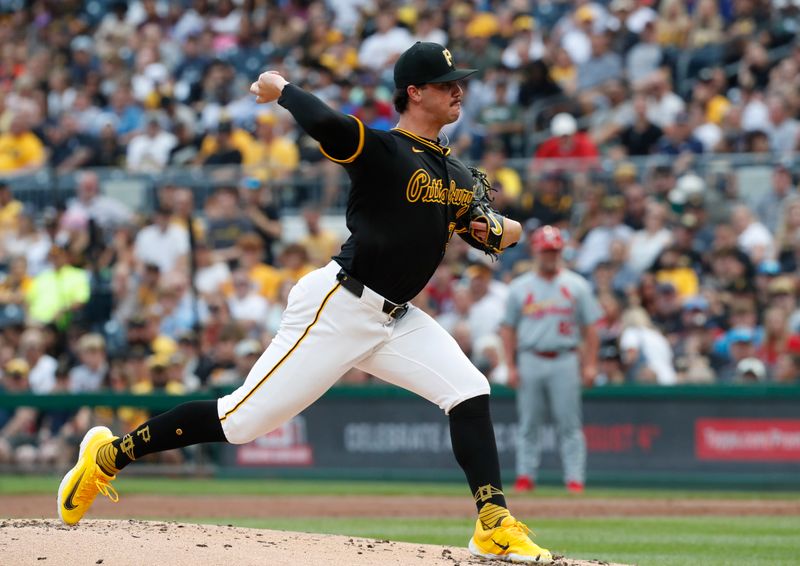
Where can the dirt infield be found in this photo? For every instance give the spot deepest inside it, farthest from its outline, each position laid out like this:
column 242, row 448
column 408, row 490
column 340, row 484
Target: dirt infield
column 133, row 543
column 526, row 508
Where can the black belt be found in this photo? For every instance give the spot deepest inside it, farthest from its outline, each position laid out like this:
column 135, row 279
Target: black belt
column 357, row 288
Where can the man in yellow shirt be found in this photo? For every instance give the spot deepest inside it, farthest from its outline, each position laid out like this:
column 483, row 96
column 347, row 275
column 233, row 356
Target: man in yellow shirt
column 270, row 155
column 239, row 139
column 265, row 278
column 320, row 243
column 20, row 150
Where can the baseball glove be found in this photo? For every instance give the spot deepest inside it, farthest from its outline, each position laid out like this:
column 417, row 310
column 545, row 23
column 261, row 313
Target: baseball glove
column 480, row 210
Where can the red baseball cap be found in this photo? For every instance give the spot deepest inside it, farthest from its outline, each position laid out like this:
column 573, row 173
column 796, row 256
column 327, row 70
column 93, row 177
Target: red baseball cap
column 547, row 238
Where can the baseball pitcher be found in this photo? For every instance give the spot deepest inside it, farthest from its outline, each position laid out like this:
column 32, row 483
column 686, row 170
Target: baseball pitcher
column 549, row 330
column 409, row 196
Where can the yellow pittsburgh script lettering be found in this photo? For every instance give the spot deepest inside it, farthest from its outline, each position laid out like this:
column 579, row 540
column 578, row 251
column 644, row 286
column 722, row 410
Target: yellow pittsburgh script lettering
column 422, row 187
column 418, row 182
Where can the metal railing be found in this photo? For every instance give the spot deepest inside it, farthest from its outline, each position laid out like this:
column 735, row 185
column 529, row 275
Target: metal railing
column 46, row 188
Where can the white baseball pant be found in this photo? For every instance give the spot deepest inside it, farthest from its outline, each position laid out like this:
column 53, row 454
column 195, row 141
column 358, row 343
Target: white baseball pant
column 325, row 331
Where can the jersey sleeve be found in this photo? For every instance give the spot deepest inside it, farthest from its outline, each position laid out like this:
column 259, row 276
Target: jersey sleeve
column 341, row 137
column 589, row 310
column 513, row 311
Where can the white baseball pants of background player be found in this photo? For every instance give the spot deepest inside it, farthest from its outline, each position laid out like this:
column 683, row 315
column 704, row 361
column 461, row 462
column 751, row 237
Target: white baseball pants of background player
column 550, row 387
column 325, row 331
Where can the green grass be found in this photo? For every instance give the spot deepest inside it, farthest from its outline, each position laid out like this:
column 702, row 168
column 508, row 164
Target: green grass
column 652, row 541
column 209, row 486
column 657, row 541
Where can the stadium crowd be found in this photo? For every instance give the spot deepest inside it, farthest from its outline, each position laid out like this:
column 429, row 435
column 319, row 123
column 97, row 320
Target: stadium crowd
column 621, row 122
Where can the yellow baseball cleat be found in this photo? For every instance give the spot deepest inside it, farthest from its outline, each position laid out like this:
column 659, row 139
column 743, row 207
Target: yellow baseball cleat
column 83, row 482
column 509, row 542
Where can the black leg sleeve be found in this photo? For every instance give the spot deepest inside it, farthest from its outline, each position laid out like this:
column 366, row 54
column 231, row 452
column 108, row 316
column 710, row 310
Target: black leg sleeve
column 475, row 449
column 190, row 423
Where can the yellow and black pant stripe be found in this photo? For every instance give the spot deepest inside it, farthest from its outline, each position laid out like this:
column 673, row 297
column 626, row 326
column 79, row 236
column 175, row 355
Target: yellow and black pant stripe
column 285, row 357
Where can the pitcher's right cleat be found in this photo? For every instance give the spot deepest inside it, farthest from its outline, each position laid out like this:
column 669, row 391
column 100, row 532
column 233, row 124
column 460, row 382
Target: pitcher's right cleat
column 82, row 483
column 509, row 542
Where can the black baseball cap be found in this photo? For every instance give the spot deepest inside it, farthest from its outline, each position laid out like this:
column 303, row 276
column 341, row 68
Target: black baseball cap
column 426, row 62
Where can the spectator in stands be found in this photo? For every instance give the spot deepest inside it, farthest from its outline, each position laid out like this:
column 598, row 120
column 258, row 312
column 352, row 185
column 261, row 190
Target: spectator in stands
column 10, row 211
column 649, row 242
column 265, row 278
column 754, row 238
column 222, row 371
column 642, row 135
column 92, row 372
column 576, row 38
column 772, row 203
column 741, row 343
column 149, row 151
column 636, row 201
column 21, row 150
column 258, row 202
column 646, row 56
column 226, row 222
column 783, row 128
column 322, row 244
column 225, row 151
column 786, row 234
column 384, row 46
column 663, row 105
column 602, row 65
column 271, row 155
column 210, row 275
column 247, row 307
column 499, row 120
column 526, row 44
column 502, row 177
column 30, row 245
column 57, row 294
column 17, row 427
column 68, row 148
column 42, row 367
column 107, row 212
column 750, row 370
column 162, row 243
column 776, row 337
column 487, row 297
column 245, row 354
column 294, row 262
column 673, row 24
column 678, row 137
column 566, row 143
column 707, row 25
column 552, row 203
column 596, row 246
column 646, row 354
column 175, row 311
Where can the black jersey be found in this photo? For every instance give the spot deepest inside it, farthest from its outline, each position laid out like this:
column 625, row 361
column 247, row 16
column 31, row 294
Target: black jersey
column 405, row 197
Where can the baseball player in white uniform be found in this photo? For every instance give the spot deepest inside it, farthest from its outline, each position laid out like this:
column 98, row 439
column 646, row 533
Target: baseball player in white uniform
column 408, row 197
column 549, row 330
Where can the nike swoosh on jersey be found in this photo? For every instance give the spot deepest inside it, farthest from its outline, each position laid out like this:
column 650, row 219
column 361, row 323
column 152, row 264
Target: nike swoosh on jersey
column 68, row 504
column 415, row 150
column 503, row 546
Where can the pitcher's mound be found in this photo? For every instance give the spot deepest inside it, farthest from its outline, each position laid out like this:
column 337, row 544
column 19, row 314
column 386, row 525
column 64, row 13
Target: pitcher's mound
column 136, row 543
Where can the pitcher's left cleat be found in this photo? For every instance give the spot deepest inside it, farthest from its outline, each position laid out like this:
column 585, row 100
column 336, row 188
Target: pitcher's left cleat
column 82, row 483
column 509, row 542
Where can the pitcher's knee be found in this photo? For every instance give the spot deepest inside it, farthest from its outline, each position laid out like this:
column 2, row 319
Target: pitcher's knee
column 238, row 433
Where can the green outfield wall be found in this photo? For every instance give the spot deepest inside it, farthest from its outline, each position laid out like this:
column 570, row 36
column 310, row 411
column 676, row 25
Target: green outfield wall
column 689, row 435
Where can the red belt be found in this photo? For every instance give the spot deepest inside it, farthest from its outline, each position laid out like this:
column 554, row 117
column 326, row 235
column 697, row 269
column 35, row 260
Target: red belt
column 553, row 353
